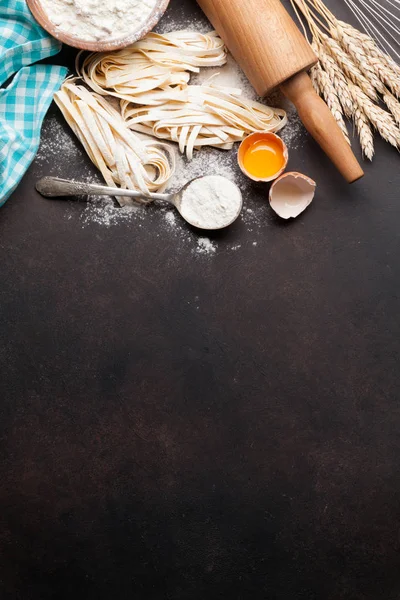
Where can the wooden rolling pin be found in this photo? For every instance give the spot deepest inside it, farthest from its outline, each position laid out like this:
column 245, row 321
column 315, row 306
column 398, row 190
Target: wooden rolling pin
column 266, row 43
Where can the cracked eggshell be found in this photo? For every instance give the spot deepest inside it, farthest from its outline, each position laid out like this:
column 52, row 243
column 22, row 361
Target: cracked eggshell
column 290, row 195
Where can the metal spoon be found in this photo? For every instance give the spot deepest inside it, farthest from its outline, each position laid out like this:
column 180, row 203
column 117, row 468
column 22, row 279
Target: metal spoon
column 53, row 187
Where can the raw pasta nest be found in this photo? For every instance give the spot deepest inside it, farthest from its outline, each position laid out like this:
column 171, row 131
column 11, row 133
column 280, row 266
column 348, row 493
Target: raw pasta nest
column 150, row 84
column 151, row 80
column 123, row 158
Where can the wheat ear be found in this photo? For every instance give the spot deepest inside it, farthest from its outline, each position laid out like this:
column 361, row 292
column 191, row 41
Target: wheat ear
column 392, row 64
column 337, row 77
column 384, row 66
column 372, row 48
column 348, row 66
column 379, row 118
column 385, row 74
column 328, row 92
column 366, row 41
column 365, row 133
column 359, row 56
column 393, row 105
column 314, row 80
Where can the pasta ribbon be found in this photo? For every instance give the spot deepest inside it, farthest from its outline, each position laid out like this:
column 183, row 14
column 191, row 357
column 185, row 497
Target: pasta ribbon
column 123, row 158
column 151, row 80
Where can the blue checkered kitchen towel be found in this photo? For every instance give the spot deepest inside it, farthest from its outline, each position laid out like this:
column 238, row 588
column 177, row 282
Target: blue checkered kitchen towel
column 25, row 101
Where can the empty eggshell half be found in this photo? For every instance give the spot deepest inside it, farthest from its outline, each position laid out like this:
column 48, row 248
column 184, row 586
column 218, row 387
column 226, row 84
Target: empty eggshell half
column 290, row 195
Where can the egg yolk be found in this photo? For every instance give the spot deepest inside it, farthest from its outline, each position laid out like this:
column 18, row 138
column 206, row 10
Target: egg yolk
column 264, row 159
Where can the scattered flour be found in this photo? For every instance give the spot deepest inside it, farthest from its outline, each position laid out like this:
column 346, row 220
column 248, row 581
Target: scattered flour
column 230, row 75
column 194, row 22
column 206, row 246
column 170, row 217
column 97, row 20
column 58, row 139
column 104, row 212
column 206, row 161
column 294, row 134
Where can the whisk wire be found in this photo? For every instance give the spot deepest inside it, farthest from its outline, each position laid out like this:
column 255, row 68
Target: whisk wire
column 375, row 22
column 383, row 18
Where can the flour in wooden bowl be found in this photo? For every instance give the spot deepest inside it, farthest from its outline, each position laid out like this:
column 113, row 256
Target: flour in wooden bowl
column 98, row 20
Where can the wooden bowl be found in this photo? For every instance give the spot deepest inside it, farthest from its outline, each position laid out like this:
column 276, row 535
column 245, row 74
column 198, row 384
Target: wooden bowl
column 116, row 44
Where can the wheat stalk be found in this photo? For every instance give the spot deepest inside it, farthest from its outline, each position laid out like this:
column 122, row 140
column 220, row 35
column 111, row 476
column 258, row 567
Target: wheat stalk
column 348, row 66
column 385, row 74
column 379, row 118
column 383, row 65
column 363, row 39
column 375, row 52
column 328, row 92
column 365, row 133
column 393, row 105
column 359, row 56
column 392, row 64
column 337, row 77
column 379, row 18
column 354, row 74
column 314, row 80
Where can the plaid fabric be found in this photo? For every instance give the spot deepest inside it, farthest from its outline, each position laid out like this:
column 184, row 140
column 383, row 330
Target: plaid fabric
column 24, row 103
column 22, row 41
column 23, row 106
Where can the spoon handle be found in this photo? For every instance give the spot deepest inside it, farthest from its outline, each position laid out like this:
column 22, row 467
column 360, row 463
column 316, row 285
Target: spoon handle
column 52, row 187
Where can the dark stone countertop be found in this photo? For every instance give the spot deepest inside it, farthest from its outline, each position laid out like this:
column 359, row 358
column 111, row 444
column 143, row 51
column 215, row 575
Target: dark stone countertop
column 179, row 426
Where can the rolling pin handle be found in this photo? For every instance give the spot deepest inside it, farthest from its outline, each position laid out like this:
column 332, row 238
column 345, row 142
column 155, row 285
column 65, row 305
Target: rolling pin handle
column 321, row 124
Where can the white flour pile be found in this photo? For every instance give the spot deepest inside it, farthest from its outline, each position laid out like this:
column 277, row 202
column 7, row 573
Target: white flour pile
column 211, row 202
column 206, row 246
column 97, row 20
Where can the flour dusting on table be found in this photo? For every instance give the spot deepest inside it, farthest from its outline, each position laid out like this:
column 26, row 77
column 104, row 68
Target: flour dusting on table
column 57, row 140
column 104, row 212
column 206, row 246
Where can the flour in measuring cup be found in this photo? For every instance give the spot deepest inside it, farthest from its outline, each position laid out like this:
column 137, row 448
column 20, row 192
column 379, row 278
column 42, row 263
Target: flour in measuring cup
column 98, row 20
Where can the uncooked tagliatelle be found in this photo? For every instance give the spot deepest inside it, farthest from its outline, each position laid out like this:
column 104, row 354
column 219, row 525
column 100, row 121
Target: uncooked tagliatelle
column 123, row 158
column 212, row 116
column 151, row 80
column 154, row 70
